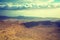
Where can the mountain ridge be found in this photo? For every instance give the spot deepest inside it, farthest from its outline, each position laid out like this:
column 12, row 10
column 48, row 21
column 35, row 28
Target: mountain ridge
column 28, row 18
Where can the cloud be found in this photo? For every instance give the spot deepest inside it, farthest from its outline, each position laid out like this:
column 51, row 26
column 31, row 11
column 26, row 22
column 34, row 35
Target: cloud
column 50, row 0
column 2, row 6
column 27, row 5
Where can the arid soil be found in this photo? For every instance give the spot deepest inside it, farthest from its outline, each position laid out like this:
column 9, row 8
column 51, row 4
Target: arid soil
column 16, row 31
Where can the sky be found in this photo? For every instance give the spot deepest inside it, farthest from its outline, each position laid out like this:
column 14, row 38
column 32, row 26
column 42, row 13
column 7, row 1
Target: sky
column 22, row 0
column 31, row 8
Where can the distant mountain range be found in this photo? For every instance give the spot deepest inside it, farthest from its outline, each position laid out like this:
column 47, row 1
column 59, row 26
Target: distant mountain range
column 40, row 20
column 29, row 18
column 17, row 17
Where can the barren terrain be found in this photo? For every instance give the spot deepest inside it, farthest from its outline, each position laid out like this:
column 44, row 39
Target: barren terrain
column 15, row 31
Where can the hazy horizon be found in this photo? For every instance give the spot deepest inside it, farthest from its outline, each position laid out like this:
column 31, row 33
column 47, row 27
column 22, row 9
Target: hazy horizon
column 54, row 13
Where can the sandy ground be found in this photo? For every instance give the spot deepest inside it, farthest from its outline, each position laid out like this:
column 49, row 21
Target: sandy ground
column 15, row 31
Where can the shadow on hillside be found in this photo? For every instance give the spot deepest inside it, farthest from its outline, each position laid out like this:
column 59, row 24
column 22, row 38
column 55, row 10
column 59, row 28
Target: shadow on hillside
column 45, row 23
